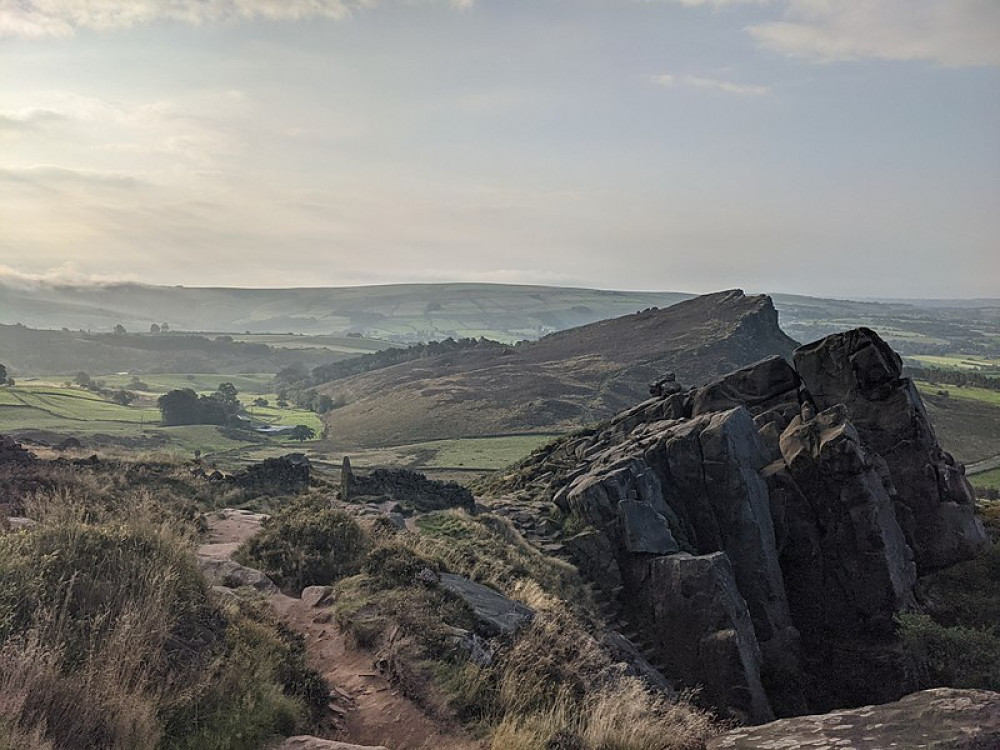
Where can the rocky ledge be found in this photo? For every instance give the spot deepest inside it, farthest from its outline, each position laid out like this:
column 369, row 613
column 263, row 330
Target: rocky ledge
column 942, row 719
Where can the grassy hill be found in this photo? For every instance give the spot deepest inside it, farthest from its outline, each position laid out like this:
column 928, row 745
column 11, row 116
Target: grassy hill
column 29, row 351
column 558, row 383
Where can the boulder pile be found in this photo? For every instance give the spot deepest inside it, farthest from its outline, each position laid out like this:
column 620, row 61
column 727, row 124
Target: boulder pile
column 412, row 490
column 769, row 524
column 13, row 453
column 285, row 475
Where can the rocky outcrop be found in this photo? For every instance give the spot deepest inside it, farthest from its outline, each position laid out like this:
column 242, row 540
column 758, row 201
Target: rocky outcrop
column 766, row 525
column 410, row 489
column 13, row 454
column 286, row 475
column 941, row 719
column 934, row 500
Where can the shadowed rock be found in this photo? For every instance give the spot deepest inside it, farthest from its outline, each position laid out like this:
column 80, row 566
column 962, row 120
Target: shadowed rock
column 935, row 502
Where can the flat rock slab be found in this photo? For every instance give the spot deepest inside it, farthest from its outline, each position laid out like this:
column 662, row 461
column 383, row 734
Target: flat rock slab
column 303, row 742
column 939, row 719
column 495, row 613
column 233, row 575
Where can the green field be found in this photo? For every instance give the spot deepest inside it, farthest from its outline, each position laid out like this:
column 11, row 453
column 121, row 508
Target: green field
column 987, row 479
column 349, row 345
column 68, row 411
column 973, row 394
column 957, row 362
column 487, row 454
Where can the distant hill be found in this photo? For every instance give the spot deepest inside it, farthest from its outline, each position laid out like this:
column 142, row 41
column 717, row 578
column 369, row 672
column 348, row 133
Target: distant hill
column 560, row 382
column 397, row 312
column 410, row 313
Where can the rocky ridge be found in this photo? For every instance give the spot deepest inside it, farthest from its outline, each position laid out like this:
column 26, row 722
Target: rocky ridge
column 751, row 532
column 559, row 382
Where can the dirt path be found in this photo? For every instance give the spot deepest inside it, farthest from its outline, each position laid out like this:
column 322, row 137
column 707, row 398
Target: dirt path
column 365, row 708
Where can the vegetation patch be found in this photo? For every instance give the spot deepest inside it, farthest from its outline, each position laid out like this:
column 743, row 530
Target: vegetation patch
column 305, row 543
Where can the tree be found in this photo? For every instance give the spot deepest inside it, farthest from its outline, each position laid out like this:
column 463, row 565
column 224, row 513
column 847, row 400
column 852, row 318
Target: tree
column 123, row 397
column 302, row 432
column 3, row 374
column 260, row 401
column 137, row 385
column 154, row 328
column 164, row 327
column 83, row 380
column 179, row 407
column 227, row 396
column 119, row 329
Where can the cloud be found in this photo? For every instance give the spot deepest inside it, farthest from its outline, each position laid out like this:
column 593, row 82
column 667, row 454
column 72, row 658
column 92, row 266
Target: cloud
column 719, row 3
column 46, row 18
column 714, row 84
column 948, row 32
column 28, row 119
column 65, row 274
column 50, row 175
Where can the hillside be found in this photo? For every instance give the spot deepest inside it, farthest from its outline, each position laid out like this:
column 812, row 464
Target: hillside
column 560, row 382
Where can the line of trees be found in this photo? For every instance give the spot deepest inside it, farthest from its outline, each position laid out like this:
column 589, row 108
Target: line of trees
column 959, row 378
column 120, row 396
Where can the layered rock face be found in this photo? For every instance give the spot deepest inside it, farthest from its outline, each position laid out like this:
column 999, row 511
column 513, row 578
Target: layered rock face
column 764, row 530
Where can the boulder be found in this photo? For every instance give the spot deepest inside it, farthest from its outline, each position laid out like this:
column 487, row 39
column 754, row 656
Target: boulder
column 233, row 575
column 940, row 719
column 11, row 452
column 286, row 475
column 410, row 489
column 757, row 387
column 645, row 530
column 859, row 370
column 703, row 632
column 317, row 596
column 495, row 614
column 847, row 563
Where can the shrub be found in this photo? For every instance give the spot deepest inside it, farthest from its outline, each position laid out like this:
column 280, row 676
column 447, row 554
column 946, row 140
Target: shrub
column 393, row 565
column 936, row 656
column 306, row 544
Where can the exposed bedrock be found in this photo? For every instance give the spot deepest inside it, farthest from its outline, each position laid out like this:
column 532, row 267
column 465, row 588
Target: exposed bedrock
column 770, row 524
column 860, row 371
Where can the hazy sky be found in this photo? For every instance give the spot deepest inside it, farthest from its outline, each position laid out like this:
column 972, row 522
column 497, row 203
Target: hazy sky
column 835, row 147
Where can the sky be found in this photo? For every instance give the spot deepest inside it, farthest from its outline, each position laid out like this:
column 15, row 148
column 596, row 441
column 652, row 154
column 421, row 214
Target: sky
column 829, row 147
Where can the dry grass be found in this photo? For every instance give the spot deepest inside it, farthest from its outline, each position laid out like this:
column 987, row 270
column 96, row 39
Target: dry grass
column 109, row 636
column 553, row 686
